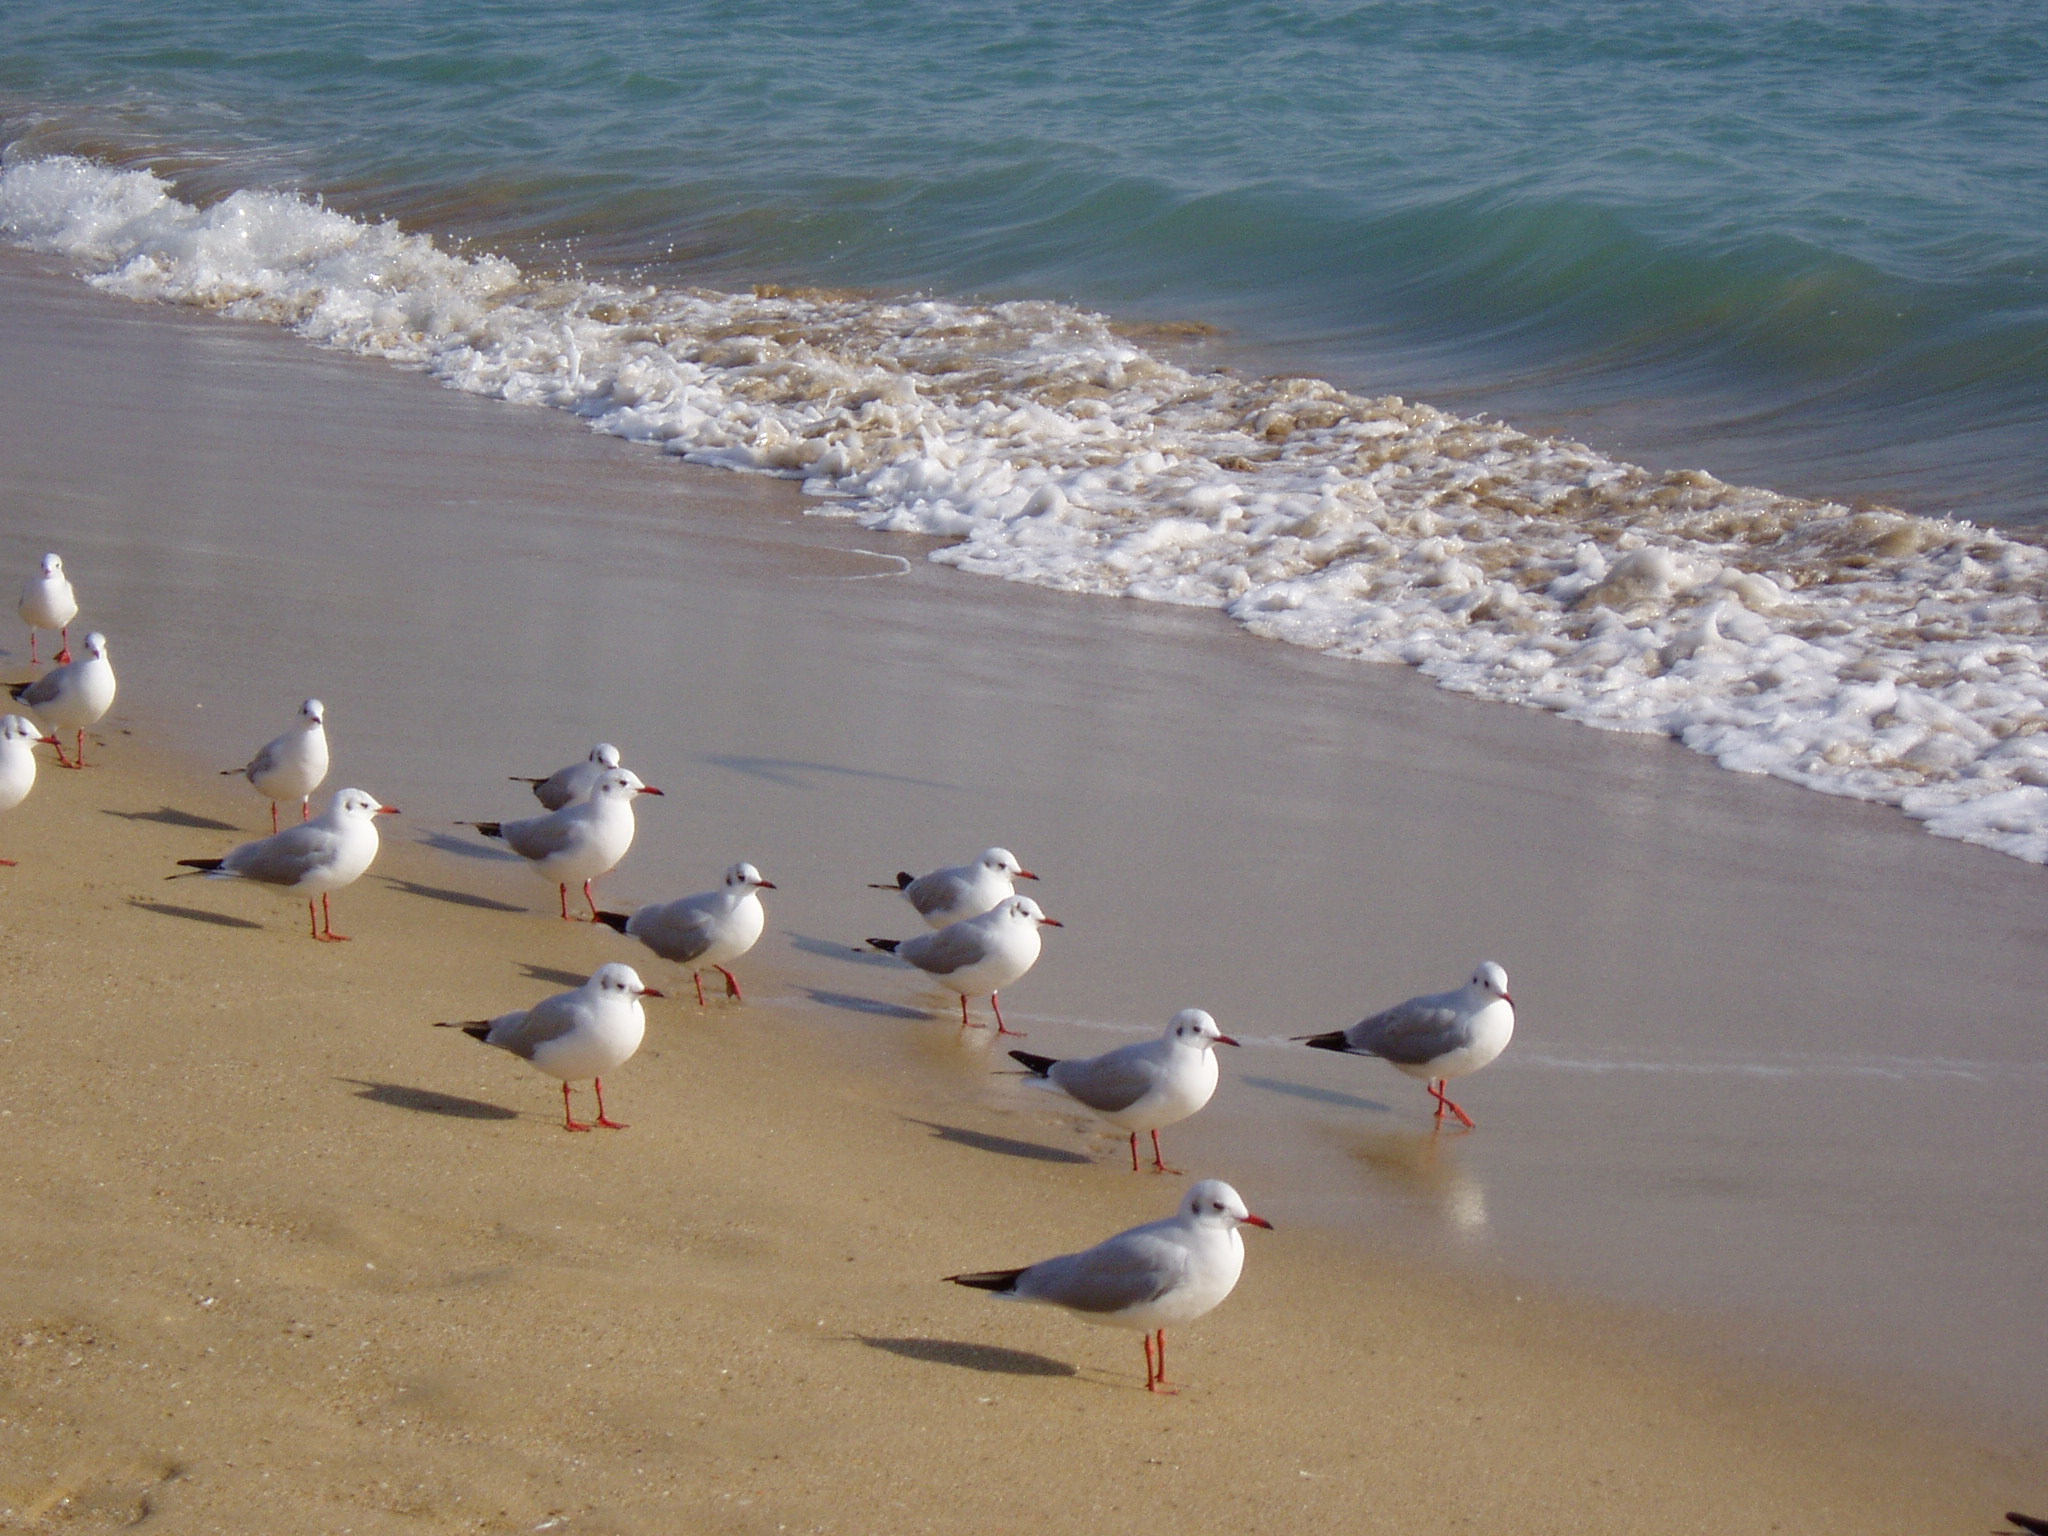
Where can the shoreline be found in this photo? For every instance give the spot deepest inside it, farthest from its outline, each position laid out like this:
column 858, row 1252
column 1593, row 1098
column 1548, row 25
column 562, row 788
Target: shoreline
column 821, row 726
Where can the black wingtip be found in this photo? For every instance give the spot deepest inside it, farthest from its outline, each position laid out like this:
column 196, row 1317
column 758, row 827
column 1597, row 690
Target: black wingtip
column 903, row 878
column 205, row 864
column 886, row 946
column 16, row 690
column 1333, row 1041
column 989, row 1280
column 488, row 828
column 476, row 1029
column 1038, row 1066
column 2028, row 1523
column 615, row 920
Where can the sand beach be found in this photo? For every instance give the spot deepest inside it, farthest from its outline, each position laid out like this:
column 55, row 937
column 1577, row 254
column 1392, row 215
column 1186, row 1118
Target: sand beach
column 1748, row 1237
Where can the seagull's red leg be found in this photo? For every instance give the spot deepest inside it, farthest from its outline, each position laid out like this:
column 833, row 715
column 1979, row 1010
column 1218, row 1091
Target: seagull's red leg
column 81, row 748
column 591, row 899
column 1158, row 1162
column 305, row 809
column 694, row 976
column 58, row 742
column 963, row 1010
column 1134, row 1151
column 610, row 1125
column 1149, row 1377
column 1161, row 1385
column 32, row 646
column 569, row 1121
column 312, row 918
column 1464, row 1119
column 64, row 655
column 9, row 863
column 732, row 986
column 565, row 901
column 327, row 923
column 273, row 818
column 1001, row 1027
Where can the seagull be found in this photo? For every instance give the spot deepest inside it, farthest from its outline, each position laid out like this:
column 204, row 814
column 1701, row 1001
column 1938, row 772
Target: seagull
column 1438, row 1037
column 706, row 930
column 18, row 738
column 1170, row 1271
column 313, row 858
column 961, row 890
column 47, row 602
column 292, row 766
column 978, row 954
column 74, row 695
column 1145, row 1086
column 584, row 1032
column 565, row 786
column 580, row 841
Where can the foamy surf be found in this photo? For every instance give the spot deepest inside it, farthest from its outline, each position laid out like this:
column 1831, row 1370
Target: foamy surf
column 1864, row 653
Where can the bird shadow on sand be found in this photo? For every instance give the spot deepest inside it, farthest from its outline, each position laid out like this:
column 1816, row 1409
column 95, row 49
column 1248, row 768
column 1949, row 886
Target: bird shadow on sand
column 832, row 949
column 171, row 816
column 1317, row 1095
column 426, row 1102
column 850, row 1003
column 448, row 842
column 789, row 771
column 190, row 914
column 560, row 978
column 990, row 1358
column 1004, row 1146
column 453, row 898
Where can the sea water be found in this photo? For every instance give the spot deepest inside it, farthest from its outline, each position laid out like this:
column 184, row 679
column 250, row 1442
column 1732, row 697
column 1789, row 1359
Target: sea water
column 1677, row 368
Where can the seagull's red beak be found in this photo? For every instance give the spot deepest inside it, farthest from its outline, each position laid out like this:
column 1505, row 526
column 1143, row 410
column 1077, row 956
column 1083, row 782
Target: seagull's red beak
column 385, row 810
column 1225, row 1040
column 1257, row 1221
column 647, row 789
column 651, row 992
column 768, row 885
column 1025, row 874
column 49, row 741
column 1508, row 1000
column 1050, row 922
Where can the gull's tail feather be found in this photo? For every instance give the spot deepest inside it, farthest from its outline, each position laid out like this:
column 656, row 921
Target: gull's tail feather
column 617, row 920
column 1038, row 1066
column 999, row 1280
column 476, row 1029
column 1333, row 1041
column 886, row 946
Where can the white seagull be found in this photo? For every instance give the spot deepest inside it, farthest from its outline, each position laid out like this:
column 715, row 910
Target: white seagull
column 18, row 738
column 1438, row 1037
column 1170, row 1271
column 961, row 890
column 978, row 955
column 580, row 841
column 1144, row 1086
column 565, row 786
column 73, row 696
column 292, row 766
column 703, row 931
column 585, row 1032
column 47, row 602
column 312, row 859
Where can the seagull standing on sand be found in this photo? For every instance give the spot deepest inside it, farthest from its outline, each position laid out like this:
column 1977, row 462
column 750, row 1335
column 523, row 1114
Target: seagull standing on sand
column 18, row 738
column 566, row 786
column 312, row 859
column 581, row 1033
column 961, row 890
column 1170, row 1271
column 580, row 841
column 703, row 931
column 978, row 954
column 1438, row 1037
column 292, row 766
column 47, row 602
column 73, row 696
column 1145, row 1086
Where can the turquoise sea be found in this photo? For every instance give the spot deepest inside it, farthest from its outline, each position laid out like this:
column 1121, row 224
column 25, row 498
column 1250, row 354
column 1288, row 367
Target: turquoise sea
column 1797, row 244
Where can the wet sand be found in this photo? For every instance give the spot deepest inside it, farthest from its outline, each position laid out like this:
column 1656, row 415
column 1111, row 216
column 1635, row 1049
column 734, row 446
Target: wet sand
column 1756, row 1163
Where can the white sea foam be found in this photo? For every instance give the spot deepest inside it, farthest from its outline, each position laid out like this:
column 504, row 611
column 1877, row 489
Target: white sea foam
column 1865, row 653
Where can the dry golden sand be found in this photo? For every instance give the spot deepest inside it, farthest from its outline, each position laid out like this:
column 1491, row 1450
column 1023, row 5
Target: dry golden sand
column 278, row 1257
